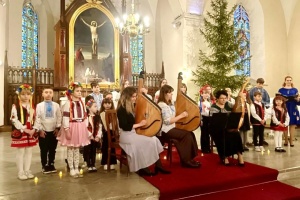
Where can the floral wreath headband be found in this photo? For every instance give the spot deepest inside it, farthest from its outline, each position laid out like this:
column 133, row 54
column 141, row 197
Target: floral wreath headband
column 24, row 87
column 90, row 103
column 72, row 87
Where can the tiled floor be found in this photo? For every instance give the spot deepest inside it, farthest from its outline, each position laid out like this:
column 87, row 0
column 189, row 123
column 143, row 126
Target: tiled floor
column 116, row 184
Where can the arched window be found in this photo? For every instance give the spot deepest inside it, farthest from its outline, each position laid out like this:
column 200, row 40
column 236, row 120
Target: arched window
column 242, row 26
column 137, row 53
column 29, row 36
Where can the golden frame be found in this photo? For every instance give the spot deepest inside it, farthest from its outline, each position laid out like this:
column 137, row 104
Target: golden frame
column 116, row 44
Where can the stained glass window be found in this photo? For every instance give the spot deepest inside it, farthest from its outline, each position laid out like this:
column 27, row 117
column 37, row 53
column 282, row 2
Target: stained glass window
column 29, row 36
column 137, row 53
column 242, row 27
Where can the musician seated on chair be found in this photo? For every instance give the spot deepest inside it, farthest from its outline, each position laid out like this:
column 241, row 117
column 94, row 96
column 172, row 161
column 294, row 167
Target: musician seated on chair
column 228, row 142
column 142, row 151
column 186, row 141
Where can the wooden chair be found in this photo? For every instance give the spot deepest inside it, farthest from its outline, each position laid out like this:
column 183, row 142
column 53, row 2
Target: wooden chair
column 171, row 142
column 113, row 136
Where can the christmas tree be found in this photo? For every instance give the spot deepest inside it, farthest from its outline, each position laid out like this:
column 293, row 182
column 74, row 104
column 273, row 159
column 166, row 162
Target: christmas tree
column 218, row 65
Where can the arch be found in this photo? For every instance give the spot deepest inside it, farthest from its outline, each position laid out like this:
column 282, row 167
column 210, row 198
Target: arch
column 242, row 27
column 30, row 26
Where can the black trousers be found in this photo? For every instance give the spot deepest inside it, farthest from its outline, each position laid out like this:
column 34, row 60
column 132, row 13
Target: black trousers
column 258, row 132
column 186, row 143
column 205, row 138
column 90, row 153
column 104, row 150
column 48, row 148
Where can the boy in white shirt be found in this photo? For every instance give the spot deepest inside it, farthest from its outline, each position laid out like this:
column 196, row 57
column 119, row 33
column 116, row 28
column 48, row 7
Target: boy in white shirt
column 47, row 123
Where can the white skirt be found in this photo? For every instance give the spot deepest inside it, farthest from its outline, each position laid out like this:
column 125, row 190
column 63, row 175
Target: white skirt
column 142, row 151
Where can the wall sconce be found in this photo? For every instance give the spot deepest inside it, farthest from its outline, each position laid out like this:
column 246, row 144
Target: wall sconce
column 2, row 3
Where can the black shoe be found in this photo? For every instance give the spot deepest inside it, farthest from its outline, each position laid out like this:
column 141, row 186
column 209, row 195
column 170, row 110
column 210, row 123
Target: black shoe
column 52, row 169
column 291, row 145
column 285, row 144
column 265, row 143
column 242, row 164
column 282, row 150
column 190, row 164
column 146, row 172
column 46, row 169
column 205, row 151
column 226, row 163
column 196, row 162
column 277, row 149
column 161, row 170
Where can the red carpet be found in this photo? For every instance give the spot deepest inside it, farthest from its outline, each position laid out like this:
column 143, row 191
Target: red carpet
column 211, row 177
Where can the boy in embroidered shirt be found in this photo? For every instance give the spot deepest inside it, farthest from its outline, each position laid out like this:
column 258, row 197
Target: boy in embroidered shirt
column 47, row 123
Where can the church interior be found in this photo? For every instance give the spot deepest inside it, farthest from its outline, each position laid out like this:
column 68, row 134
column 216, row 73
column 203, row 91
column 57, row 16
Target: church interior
column 46, row 43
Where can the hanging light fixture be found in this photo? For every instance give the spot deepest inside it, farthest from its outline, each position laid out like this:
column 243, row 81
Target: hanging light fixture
column 132, row 25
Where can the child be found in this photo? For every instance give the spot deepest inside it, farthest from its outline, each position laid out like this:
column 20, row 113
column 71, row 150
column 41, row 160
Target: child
column 47, row 123
column 107, row 104
column 98, row 97
column 23, row 135
column 204, row 109
column 94, row 129
column 145, row 90
column 183, row 88
column 73, row 133
column 279, row 122
column 246, row 124
column 258, row 120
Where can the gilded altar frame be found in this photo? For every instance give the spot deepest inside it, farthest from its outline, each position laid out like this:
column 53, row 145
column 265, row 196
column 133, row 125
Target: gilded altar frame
column 116, row 51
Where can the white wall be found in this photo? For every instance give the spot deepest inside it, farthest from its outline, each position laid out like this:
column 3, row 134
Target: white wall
column 293, row 46
column 2, row 54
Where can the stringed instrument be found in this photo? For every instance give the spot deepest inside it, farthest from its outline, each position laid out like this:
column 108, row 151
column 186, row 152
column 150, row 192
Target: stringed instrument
column 146, row 109
column 185, row 103
column 240, row 103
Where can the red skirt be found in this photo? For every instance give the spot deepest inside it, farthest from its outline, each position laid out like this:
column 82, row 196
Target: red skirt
column 24, row 141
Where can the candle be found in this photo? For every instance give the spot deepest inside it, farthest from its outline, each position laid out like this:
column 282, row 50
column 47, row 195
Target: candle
column 81, row 171
column 165, row 157
column 202, row 154
column 268, row 151
column 60, row 174
column 262, row 152
column 36, row 180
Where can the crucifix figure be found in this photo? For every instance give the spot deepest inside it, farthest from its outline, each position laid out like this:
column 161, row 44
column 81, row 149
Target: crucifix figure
column 94, row 34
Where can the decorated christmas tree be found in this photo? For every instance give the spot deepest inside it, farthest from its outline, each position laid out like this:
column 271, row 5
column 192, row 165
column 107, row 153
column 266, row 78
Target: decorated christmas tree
column 219, row 63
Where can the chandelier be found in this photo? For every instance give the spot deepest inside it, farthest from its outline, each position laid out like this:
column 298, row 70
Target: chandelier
column 132, row 24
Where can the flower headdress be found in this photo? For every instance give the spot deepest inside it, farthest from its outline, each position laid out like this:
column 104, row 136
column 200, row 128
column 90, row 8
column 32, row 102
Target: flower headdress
column 90, row 103
column 26, row 87
column 18, row 92
column 72, row 87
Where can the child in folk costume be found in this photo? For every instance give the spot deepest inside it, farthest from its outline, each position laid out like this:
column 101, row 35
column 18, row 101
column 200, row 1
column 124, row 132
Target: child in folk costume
column 94, row 129
column 74, row 133
column 107, row 104
column 279, row 122
column 204, row 105
column 246, row 123
column 258, row 120
column 47, row 123
column 23, row 135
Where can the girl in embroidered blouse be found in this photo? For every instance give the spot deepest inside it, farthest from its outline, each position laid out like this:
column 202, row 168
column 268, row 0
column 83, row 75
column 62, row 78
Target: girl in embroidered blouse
column 23, row 134
column 142, row 151
column 279, row 122
column 74, row 133
column 185, row 141
column 107, row 104
column 95, row 132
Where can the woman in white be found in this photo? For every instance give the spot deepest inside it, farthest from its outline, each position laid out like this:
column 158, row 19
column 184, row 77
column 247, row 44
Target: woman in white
column 142, row 151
